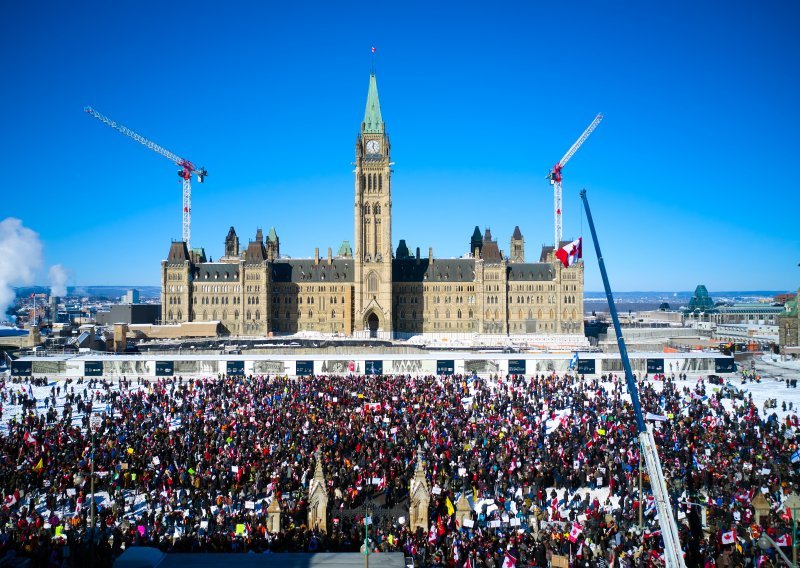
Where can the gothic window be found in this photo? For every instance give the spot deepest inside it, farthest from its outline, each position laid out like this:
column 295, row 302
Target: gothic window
column 436, row 314
column 224, row 314
column 552, row 314
column 369, row 182
column 470, row 314
column 380, row 184
column 258, row 315
column 372, row 283
column 447, row 314
column 180, row 315
column 214, row 315
column 170, row 315
column 205, row 315
column 333, row 314
column 366, row 208
column 377, row 209
column 247, row 316
column 459, row 314
column 310, row 314
column 414, row 314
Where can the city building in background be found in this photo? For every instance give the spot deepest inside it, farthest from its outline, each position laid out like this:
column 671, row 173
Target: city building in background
column 370, row 290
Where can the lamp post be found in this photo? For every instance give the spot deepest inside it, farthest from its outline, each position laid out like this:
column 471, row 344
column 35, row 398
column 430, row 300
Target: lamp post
column 368, row 509
column 792, row 503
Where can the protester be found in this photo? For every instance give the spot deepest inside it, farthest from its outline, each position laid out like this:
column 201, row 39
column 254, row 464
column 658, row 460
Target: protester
column 549, row 466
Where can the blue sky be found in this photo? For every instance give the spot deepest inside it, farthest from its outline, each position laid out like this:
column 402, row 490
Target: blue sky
column 692, row 176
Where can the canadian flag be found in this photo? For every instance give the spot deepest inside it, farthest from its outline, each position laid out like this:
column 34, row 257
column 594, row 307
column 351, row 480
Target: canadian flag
column 510, row 560
column 575, row 532
column 729, row 537
column 432, row 534
column 785, row 540
column 571, row 253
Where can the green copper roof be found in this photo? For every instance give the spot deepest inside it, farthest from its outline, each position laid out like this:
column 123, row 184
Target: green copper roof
column 273, row 236
column 345, row 249
column 373, row 122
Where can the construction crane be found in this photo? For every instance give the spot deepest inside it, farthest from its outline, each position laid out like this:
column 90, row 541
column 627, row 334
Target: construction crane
column 187, row 168
column 555, row 176
column 673, row 554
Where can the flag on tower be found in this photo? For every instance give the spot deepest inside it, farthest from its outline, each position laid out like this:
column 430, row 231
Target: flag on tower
column 373, row 49
column 571, row 253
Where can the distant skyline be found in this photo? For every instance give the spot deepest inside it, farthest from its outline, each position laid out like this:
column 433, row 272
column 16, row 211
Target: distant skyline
column 691, row 176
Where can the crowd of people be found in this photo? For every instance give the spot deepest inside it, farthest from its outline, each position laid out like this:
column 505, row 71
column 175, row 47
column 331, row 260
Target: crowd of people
column 549, row 465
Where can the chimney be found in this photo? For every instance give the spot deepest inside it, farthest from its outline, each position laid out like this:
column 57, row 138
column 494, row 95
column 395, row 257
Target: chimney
column 316, row 255
column 477, row 252
column 417, row 255
column 430, row 254
column 330, row 255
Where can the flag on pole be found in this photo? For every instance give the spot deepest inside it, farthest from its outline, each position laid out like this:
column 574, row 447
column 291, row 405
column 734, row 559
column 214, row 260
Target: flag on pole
column 373, row 49
column 39, row 466
column 571, row 253
column 575, row 532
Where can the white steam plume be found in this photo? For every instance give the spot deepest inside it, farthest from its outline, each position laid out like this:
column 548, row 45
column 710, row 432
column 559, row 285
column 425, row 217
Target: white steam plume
column 58, row 280
column 20, row 257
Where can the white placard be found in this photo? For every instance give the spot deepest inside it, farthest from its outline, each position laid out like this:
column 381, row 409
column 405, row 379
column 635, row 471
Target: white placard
column 491, row 509
column 235, row 468
column 436, row 490
column 494, row 524
column 462, row 471
column 71, row 492
column 156, row 461
column 469, row 523
column 203, row 524
column 377, row 480
column 249, row 505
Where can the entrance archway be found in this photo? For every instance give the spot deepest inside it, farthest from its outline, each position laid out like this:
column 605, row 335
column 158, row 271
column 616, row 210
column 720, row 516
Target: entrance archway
column 372, row 324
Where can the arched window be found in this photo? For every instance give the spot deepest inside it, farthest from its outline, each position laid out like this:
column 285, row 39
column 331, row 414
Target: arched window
column 310, row 314
column 470, row 315
column 333, row 314
column 205, row 315
column 380, row 184
column 366, row 209
column 214, row 315
column 447, row 314
column 458, row 314
column 224, row 314
column 236, row 314
column 258, row 315
column 248, row 315
column 552, row 314
column 170, row 315
column 372, row 283
column 180, row 315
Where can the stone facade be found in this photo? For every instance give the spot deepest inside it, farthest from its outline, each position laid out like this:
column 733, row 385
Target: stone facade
column 370, row 289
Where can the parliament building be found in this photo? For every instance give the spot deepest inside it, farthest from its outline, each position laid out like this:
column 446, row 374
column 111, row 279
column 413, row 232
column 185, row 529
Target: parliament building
column 369, row 289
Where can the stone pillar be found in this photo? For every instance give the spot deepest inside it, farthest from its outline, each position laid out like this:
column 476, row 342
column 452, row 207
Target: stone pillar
column 274, row 516
column 420, row 497
column 318, row 499
column 463, row 510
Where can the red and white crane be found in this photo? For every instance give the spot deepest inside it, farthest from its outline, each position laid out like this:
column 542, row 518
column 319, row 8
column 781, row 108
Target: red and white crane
column 187, row 168
column 555, row 176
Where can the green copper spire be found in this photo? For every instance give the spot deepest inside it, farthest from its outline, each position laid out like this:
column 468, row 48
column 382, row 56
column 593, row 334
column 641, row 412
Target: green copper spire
column 373, row 122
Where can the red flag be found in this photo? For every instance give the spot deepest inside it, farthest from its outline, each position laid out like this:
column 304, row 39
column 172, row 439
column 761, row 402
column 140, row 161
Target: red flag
column 575, row 532
column 571, row 253
column 373, row 50
column 785, row 540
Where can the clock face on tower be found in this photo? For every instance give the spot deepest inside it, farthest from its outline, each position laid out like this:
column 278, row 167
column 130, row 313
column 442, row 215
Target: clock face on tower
column 373, row 147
